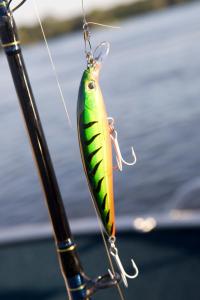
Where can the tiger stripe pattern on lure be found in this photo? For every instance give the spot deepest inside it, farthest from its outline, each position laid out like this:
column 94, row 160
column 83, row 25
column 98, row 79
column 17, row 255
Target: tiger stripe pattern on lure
column 95, row 146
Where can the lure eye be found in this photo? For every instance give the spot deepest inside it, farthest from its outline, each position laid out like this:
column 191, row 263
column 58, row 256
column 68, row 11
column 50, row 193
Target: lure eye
column 91, row 85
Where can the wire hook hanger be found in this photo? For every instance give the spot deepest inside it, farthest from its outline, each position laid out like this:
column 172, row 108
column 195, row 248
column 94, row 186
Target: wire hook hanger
column 87, row 37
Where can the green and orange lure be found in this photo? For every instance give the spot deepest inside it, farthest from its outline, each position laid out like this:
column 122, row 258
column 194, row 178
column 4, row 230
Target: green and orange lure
column 95, row 146
column 96, row 135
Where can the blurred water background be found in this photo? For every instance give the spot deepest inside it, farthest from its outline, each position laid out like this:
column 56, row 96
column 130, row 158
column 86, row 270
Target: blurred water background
column 151, row 86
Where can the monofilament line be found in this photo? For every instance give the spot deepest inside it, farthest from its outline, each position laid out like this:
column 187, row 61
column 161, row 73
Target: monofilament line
column 84, row 14
column 106, row 247
column 52, row 63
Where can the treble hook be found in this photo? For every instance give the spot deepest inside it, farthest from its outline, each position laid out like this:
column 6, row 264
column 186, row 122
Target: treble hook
column 124, row 275
column 119, row 158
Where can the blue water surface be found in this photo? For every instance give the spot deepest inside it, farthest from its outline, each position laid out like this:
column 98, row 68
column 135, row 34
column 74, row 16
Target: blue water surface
column 151, row 86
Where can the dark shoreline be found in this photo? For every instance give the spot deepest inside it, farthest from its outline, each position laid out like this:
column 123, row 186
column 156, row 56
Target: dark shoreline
column 55, row 27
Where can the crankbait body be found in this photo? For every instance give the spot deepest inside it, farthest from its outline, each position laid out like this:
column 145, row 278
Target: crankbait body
column 95, row 146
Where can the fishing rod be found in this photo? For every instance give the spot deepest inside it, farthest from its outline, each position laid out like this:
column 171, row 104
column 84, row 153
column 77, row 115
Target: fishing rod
column 78, row 285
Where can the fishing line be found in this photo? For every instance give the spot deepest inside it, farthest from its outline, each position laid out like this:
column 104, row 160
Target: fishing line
column 104, row 25
column 94, row 23
column 52, row 63
column 83, row 12
column 106, row 248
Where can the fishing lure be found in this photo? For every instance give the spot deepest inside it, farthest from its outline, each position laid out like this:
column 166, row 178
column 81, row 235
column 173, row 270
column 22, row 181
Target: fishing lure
column 96, row 134
column 95, row 145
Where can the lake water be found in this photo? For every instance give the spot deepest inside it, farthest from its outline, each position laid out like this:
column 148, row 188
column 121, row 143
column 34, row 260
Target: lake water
column 151, row 86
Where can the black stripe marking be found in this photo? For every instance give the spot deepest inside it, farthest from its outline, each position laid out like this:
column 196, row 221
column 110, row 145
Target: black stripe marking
column 103, row 205
column 87, row 143
column 88, row 125
column 112, row 227
column 98, row 188
column 94, row 170
column 107, row 217
column 90, row 156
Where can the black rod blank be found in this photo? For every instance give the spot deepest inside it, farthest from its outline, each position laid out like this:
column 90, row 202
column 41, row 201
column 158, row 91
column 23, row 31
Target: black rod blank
column 69, row 261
